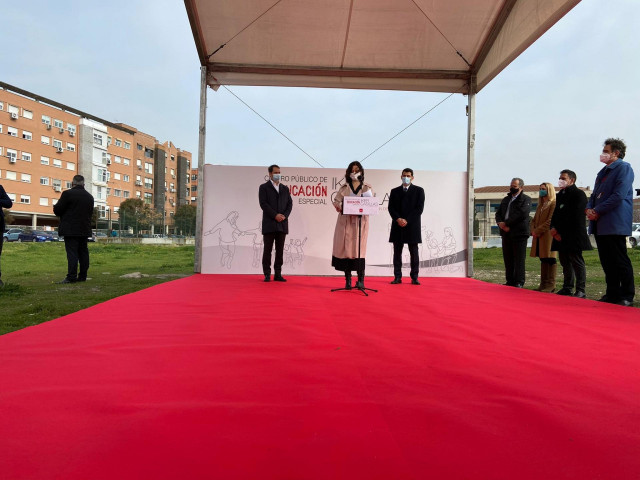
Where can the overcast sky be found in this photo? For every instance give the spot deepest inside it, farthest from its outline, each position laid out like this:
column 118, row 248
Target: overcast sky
column 135, row 62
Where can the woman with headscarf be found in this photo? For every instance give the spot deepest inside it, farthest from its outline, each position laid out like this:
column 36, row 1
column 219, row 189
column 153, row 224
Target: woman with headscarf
column 347, row 257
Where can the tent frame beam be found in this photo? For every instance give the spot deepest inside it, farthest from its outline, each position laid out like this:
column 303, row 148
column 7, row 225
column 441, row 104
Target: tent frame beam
column 202, row 138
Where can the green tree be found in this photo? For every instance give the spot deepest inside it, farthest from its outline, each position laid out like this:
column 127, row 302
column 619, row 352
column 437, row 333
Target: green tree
column 95, row 216
column 185, row 220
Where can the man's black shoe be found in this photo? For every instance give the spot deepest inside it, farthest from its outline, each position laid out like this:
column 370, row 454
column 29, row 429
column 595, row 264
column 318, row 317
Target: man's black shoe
column 396, row 280
column 67, row 280
column 414, row 281
column 267, row 278
column 606, row 299
column 279, row 278
column 519, row 285
column 564, row 291
column 580, row 294
column 625, row 303
column 81, row 280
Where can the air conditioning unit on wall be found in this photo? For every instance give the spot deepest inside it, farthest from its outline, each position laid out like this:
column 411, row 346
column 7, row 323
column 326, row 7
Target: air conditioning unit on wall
column 59, row 149
column 14, row 116
column 12, row 159
column 57, row 189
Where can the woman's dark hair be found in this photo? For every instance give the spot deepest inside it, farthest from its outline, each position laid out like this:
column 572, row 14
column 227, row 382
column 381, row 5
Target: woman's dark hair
column 347, row 176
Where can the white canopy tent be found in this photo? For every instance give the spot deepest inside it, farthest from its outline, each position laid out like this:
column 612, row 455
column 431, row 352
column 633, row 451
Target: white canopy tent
column 455, row 46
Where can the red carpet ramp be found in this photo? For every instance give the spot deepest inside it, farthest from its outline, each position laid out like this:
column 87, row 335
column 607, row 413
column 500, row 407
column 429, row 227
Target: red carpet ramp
column 228, row 377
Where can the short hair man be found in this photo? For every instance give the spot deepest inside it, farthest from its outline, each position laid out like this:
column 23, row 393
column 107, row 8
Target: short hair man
column 569, row 231
column 513, row 219
column 406, row 204
column 276, row 204
column 5, row 202
column 75, row 209
column 610, row 211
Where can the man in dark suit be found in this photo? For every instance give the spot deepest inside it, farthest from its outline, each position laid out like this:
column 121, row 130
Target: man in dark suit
column 276, row 205
column 5, row 202
column 406, row 204
column 75, row 209
column 513, row 219
column 569, row 231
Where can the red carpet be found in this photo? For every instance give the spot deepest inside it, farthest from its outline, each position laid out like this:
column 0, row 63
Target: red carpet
column 228, row 377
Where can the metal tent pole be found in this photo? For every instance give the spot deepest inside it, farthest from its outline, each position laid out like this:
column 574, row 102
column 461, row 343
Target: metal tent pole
column 202, row 136
column 471, row 140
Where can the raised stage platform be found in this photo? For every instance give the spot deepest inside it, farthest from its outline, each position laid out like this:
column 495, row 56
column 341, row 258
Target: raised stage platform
column 229, row 377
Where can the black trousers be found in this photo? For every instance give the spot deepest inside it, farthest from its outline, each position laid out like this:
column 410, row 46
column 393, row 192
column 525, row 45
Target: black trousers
column 269, row 239
column 397, row 259
column 573, row 270
column 514, row 252
column 77, row 252
column 618, row 272
column 1, row 242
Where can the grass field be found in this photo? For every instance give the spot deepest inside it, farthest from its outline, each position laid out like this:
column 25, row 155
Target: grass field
column 31, row 294
column 31, row 271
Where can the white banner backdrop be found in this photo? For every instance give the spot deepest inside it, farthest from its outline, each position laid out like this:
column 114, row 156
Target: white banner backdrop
column 232, row 238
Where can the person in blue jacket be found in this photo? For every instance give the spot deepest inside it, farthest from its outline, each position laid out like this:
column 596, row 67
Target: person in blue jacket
column 610, row 211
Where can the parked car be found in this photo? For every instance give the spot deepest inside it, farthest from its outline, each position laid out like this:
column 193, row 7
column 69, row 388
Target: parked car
column 35, row 236
column 11, row 235
column 56, row 237
column 634, row 239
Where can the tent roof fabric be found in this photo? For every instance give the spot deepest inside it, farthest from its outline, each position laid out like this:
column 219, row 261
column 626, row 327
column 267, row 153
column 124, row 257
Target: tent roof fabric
column 422, row 45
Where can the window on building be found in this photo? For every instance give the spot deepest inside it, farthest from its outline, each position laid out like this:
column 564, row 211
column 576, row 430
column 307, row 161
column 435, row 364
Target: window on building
column 0, row 128
column 138, row 146
column 127, row 146
column 57, row 183
column 57, row 163
column 12, row 131
column 12, row 196
column 493, row 208
column 126, row 178
column 173, row 158
column 194, row 188
column 117, row 159
column 44, row 160
column 106, row 158
column 26, row 156
column 67, row 185
column 9, row 175
column 148, row 168
column 27, row 114
column 126, row 161
column 102, row 175
column 102, row 211
column 46, row 140
column 480, row 208
column 101, row 193
column 108, row 141
column 57, row 143
column 118, row 142
column 138, row 193
column 27, row 135
column 13, row 109
column 26, row 199
column 148, row 183
column 148, row 152
column 148, row 198
column 1, row 106
column 97, row 139
column 25, row 177
column 116, row 176
column 71, row 166
column 58, row 123
column 46, row 119
column 71, row 129
column 44, row 180
column 117, row 193
column 12, row 155
column 139, row 164
column 194, row 178
column 44, row 201
column 71, row 147
column 108, row 191
column 138, row 180
column 534, row 206
column 125, row 194
column 173, row 173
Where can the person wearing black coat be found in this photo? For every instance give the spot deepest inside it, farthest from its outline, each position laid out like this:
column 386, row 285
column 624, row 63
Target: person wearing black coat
column 5, row 202
column 75, row 209
column 513, row 219
column 406, row 204
column 276, row 204
column 569, row 231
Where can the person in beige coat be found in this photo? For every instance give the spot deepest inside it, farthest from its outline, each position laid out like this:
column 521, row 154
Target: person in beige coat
column 542, row 239
column 345, row 256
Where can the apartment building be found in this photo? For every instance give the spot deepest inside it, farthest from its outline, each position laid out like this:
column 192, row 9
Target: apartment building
column 194, row 185
column 43, row 144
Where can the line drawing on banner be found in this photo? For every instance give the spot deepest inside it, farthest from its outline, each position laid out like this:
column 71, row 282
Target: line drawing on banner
column 294, row 252
column 228, row 232
column 442, row 255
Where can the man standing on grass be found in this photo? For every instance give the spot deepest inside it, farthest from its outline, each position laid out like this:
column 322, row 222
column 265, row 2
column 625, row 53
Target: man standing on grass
column 75, row 209
column 5, row 202
column 513, row 219
column 610, row 211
